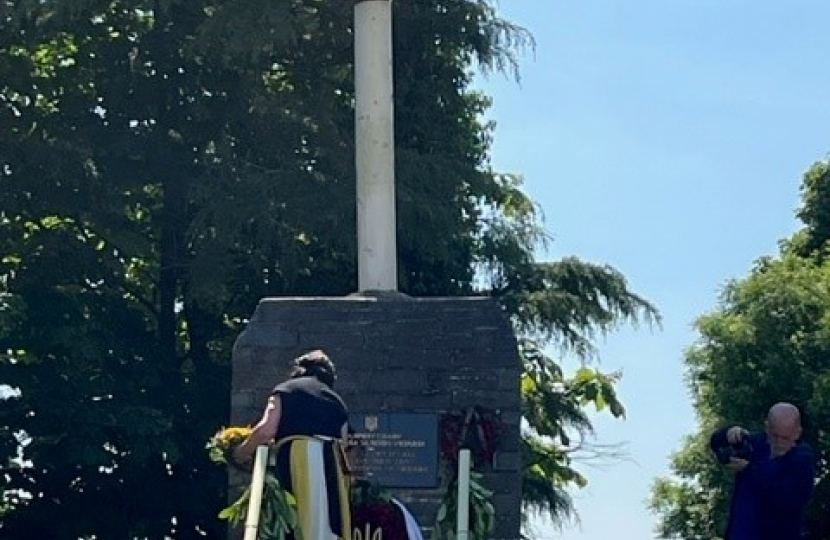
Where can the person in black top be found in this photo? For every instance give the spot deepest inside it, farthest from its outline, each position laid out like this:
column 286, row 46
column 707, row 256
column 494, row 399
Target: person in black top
column 307, row 422
column 774, row 476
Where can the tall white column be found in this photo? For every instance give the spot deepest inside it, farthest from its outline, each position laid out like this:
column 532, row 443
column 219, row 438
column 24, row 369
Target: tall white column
column 375, row 146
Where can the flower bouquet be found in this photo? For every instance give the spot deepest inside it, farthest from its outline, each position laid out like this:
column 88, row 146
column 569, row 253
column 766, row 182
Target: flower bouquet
column 278, row 513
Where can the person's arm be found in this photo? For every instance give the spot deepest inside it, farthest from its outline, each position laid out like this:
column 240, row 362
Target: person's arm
column 735, row 436
column 726, row 436
column 263, row 432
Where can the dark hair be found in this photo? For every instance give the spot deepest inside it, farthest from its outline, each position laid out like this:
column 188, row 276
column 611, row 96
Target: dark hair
column 314, row 364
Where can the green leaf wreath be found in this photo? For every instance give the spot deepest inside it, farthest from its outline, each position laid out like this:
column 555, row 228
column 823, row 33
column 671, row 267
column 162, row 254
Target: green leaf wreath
column 278, row 512
column 482, row 512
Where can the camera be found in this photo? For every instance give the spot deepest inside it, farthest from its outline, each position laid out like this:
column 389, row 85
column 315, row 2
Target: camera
column 741, row 450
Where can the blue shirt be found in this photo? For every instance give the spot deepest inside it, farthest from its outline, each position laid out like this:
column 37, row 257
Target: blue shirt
column 771, row 493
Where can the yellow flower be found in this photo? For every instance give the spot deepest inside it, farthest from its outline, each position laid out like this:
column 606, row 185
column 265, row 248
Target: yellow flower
column 234, row 435
column 221, row 445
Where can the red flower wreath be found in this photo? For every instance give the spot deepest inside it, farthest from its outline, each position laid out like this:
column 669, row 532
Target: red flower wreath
column 475, row 428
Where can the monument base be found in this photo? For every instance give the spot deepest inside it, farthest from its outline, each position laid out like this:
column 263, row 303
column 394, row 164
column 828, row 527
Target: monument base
column 402, row 364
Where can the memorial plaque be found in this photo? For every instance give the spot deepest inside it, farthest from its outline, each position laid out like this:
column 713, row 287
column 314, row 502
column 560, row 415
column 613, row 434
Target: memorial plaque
column 396, row 449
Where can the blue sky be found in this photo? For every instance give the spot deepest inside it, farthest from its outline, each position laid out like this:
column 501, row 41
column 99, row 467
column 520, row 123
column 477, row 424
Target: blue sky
column 666, row 138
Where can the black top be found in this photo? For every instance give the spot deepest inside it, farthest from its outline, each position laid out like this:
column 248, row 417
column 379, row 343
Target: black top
column 309, row 407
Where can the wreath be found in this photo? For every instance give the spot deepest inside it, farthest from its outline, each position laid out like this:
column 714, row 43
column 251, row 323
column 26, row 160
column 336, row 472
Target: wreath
column 477, row 429
column 482, row 513
column 278, row 513
column 374, row 515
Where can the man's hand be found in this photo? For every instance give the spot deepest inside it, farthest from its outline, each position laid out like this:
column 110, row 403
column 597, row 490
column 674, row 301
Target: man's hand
column 736, row 434
column 736, row 465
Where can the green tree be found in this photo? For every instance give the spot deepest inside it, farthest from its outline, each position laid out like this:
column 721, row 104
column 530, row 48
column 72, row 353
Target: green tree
column 814, row 212
column 165, row 164
column 767, row 341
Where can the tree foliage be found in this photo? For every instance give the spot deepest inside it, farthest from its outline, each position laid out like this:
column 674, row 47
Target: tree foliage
column 767, row 341
column 814, row 212
column 167, row 163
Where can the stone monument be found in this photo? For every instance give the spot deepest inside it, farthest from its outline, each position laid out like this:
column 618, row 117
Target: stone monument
column 403, row 364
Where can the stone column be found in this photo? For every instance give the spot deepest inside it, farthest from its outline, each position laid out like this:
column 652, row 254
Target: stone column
column 375, row 146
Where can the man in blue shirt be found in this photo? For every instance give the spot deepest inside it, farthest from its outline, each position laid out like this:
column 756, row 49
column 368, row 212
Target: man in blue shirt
column 774, row 476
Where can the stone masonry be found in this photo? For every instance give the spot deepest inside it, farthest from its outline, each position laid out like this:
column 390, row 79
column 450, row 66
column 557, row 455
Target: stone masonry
column 397, row 354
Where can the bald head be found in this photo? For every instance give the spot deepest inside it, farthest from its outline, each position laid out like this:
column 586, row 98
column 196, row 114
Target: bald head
column 784, row 414
column 783, row 427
